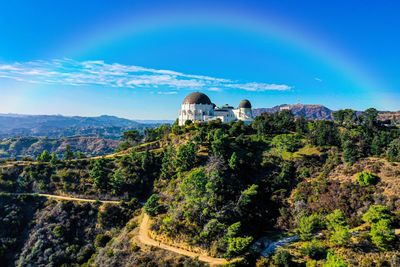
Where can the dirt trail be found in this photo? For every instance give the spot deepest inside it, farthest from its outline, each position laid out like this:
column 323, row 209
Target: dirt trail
column 65, row 197
column 145, row 239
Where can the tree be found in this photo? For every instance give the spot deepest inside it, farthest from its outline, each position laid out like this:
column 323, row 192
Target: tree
column 366, row 178
column 132, row 137
column 186, row 157
column 152, row 206
column 382, row 233
column 339, row 233
column 323, row 133
column 308, row 225
column 287, row 142
column 68, row 154
column 167, row 166
column 193, row 186
column 345, row 117
column 44, row 156
column 233, row 161
column 369, row 118
column 333, row 260
column 238, row 245
column 54, row 159
column 376, row 213
column 98, row 173
column 393, row 152
column 282, row 258
column 117, row 181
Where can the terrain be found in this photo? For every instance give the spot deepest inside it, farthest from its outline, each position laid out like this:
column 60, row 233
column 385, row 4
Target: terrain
column 283, row 191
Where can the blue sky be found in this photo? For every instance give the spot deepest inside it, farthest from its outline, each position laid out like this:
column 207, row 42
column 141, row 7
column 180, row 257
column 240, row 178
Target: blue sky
column 138, row 59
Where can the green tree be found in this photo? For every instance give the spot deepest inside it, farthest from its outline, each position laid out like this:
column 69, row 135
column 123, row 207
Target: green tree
column 323, row 133
column 193, row 186
column 366, row 178
column 117, row 182
column 152, row 206
column 238, row 245
column 333, row 260
column 98, row 172
column 339, row 233
column 132, row 137
column 186, row 157
column 382, row 233
column 233, row 161
column 168, row 163
column 68, row 154
column 376, row 213
column 308, row 225
column 54, row 159
column 393, row 151
column 44, row 156
column 287, row 142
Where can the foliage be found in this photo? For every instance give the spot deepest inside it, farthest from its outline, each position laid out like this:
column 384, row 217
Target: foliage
column 366, row 178
column 382, row 233
column 376, row 213
column 333, row 260
column 238, row 245
column 393, row 151
column 287, row 142
column 282, row 258
column 308, row 225
column 152, row 206
column 186, row 157
column 314, row 249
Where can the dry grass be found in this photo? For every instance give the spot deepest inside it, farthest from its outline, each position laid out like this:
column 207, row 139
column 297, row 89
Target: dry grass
column 388, row 172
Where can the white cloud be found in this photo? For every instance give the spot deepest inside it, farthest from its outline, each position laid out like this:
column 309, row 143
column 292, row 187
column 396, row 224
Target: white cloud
column 77, row 73
column 318, row 79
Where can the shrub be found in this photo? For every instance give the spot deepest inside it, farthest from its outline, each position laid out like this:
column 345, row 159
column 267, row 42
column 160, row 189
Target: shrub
column 366, row 178
column 393, row 152
column 101, row 240
column 152, row 206
column 376, row 213
column 339, row 230
column 314, row 249
column 282, row 258
column 333, row 260
column 287, row 142
column 308, row 225
column 238, row 245
column 382, row 234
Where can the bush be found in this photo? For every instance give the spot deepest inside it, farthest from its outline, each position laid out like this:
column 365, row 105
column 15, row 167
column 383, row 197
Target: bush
column 308, row 225
column 366, row 178
column 376, row 213
column 238, row 245
column 152, row 206
column 333, row 260
column 287, row 142
column 282, row 258
column 382, row 234
column 101, row 240
column 314, row 249
column 393, row 152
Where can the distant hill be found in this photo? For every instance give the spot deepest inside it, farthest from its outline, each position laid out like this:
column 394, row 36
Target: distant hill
column 32, row 146
column 315, row 112
column 57, row 126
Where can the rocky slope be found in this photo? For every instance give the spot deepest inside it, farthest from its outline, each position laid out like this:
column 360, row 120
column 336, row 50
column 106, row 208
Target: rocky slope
column 317, row 112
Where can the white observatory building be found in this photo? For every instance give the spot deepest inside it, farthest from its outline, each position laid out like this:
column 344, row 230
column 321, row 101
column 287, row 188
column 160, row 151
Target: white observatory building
column 197, row 107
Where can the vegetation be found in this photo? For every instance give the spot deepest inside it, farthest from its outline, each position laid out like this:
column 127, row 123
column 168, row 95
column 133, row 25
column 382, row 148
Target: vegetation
column 216, row 188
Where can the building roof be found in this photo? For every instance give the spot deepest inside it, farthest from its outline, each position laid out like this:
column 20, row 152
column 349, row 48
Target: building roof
column 197, row 98
column 245, row 104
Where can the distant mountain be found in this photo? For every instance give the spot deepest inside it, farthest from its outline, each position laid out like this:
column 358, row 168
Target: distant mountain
column 315, row 112
column 32, row 146
column 56, row 126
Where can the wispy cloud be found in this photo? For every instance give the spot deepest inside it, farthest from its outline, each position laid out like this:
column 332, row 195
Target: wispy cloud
column 318, row 79
column 71, row 72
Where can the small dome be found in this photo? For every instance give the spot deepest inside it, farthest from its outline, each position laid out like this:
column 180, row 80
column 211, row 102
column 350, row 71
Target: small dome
column 197, row 98
column 245, row 104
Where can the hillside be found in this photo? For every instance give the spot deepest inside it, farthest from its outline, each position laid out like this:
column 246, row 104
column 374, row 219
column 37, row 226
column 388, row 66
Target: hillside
column 313, row 112
column 55, row 126
column 20, row 147
column 278, row 192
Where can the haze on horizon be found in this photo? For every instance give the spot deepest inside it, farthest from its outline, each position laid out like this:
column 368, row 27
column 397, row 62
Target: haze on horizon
column 138, row 59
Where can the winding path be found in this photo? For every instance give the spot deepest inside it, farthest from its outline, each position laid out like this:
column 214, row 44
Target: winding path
column 147, row 240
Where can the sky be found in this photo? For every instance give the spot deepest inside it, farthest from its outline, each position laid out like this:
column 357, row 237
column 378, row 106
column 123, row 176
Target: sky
column 139, row 59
